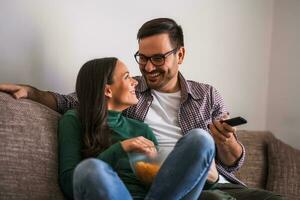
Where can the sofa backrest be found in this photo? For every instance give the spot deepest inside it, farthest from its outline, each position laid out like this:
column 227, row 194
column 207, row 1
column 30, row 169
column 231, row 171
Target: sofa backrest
column 28, row 150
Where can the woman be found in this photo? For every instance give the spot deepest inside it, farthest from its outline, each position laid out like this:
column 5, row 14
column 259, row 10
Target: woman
column 97, row 130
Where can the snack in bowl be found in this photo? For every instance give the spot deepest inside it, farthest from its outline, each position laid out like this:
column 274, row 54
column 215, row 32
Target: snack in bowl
column 146, row 168
column 146, row 171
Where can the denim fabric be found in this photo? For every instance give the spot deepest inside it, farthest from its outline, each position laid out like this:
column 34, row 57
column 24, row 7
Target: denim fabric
column 182, row 175
column 94, row 180
column 184, row 172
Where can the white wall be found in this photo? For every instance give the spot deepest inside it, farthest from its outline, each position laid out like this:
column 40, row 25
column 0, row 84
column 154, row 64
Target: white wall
column 229, row 47
column 283, row 116
column 228, row 43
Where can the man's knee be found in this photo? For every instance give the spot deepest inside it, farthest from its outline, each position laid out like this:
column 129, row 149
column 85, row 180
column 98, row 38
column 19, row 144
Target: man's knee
column 198, row 142
column 200, row 139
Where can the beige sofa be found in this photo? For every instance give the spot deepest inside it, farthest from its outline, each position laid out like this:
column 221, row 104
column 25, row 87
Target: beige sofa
column 29, row 167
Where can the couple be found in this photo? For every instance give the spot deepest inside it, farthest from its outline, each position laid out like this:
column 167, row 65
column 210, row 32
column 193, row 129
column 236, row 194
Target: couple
column 183, row 115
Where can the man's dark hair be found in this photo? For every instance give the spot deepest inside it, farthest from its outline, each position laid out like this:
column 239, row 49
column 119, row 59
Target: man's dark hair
column 162, row 25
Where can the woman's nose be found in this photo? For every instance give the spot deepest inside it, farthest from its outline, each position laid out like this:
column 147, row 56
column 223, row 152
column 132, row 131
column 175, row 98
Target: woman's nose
column 134, row 82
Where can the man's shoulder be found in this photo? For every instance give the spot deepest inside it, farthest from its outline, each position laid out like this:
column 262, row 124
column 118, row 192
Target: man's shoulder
column 198, row 84
column 198, row 88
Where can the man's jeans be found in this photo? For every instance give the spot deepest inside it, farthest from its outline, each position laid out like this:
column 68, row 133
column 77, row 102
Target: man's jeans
column 182, row 175
column 229, row 191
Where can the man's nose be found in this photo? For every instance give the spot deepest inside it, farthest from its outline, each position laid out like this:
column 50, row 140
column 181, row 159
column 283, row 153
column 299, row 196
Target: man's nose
column 149, row 67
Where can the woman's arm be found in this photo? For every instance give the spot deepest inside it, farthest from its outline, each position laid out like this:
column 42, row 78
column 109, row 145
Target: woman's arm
column 112, row 154
column 69, row 135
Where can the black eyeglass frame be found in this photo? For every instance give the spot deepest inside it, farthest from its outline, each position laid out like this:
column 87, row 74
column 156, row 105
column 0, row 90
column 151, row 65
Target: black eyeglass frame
column 163, row 56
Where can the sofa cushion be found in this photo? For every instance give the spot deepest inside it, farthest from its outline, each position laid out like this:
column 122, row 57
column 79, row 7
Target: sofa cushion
column 28, row 150
column 284, row 169
column 255, row 169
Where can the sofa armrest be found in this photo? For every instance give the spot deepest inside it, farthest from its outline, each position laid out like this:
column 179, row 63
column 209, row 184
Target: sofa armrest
column 255, row 169
column 28, row 150
column 284, row 169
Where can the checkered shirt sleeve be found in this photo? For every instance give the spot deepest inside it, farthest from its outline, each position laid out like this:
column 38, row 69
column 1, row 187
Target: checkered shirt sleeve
column 65, row 102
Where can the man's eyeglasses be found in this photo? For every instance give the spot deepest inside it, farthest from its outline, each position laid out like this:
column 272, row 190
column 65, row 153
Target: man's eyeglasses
column 156, row 60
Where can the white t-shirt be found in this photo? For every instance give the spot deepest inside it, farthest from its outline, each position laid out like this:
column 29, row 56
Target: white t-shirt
column 162, row 118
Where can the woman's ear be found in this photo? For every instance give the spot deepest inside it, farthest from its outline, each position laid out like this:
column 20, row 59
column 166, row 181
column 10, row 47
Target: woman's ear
column 181, row 53
column 107, row 91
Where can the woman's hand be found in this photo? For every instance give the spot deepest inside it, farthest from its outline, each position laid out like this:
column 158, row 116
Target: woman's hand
column 139, row 144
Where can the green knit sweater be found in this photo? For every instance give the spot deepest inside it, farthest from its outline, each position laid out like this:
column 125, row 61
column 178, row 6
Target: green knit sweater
column 70, row 145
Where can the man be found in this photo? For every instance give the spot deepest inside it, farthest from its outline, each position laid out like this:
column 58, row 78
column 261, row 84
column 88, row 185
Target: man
column 172, row 106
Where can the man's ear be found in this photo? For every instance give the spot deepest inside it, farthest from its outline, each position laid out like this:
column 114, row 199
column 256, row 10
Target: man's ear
column 107, row 91
column 181, row 53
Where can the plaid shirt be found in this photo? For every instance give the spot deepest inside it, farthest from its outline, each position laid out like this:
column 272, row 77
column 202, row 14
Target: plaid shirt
column 200, row 104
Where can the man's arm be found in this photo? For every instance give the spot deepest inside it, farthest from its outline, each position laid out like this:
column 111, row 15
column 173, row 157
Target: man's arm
column 58, row 102
column 26, row 91
column 230, row 151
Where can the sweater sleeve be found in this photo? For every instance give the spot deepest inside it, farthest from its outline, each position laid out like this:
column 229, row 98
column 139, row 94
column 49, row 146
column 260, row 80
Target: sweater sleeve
column 112, row 154
column 69, row 130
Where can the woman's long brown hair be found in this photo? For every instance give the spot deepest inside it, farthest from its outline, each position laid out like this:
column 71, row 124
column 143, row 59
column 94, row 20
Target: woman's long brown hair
column 90, row 87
